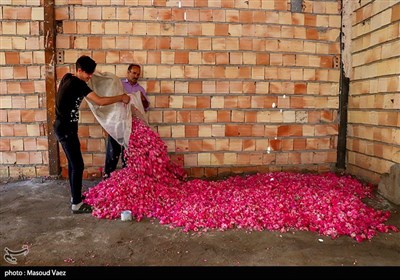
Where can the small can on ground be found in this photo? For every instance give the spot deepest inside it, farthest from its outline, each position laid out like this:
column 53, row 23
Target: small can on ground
column 126, row 215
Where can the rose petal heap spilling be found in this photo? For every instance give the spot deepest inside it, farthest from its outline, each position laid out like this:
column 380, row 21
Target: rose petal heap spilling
column 153, row 186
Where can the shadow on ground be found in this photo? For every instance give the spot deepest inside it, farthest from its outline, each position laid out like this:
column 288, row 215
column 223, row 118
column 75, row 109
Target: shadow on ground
column 37, row 213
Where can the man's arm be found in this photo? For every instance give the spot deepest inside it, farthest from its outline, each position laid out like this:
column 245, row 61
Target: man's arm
column 107, row 100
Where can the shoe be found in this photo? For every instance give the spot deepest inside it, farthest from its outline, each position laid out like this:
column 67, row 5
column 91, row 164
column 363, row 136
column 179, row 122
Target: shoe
column 83, row 209
column 82, row 197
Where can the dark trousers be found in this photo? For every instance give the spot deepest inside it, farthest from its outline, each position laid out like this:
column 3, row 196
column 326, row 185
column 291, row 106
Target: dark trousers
column 72, row 149
column 113, row 152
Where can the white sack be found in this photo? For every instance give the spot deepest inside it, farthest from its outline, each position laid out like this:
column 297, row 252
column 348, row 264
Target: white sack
column 116, row 118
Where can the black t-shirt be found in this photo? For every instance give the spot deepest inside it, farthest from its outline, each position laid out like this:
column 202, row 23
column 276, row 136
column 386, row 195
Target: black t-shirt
column 69, row 97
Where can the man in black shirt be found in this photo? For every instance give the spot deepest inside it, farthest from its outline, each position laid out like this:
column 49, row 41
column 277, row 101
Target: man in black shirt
column 71, row 91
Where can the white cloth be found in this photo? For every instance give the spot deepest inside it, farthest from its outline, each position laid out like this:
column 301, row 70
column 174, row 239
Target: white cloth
column 116, row 118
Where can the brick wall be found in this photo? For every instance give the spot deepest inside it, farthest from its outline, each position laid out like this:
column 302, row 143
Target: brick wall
column 374, row 103
column 23, row 141
column 235, row 86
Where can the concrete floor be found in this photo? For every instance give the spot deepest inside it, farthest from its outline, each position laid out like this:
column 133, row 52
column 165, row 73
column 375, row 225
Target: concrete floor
column 37, row 213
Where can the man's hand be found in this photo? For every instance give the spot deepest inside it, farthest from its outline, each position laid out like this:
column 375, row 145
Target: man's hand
column 126, row 98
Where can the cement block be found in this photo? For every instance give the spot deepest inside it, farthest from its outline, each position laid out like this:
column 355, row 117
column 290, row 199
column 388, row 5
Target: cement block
column 389, row 185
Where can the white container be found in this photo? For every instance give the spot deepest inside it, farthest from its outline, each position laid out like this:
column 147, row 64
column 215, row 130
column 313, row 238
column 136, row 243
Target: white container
column 126, row 215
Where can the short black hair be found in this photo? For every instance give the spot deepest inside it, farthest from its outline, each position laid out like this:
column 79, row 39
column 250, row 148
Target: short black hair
column 86, row 64
column 133, row 65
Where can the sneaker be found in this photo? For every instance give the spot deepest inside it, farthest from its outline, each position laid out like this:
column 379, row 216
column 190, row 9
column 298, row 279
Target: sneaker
column 81, row 208
column 82, row 197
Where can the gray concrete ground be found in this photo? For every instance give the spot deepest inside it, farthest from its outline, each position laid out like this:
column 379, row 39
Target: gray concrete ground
column 37, row 213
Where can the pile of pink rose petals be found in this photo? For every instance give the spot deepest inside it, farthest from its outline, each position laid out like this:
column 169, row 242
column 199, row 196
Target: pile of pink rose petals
column 153, row 186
